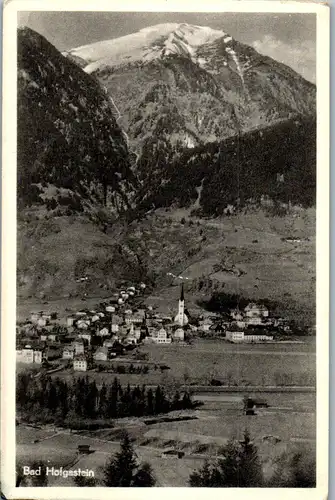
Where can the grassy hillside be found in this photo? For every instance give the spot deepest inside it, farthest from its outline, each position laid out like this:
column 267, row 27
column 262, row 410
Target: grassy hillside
column 246, row 254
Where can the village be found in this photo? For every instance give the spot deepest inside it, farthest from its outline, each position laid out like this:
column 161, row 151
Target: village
column 121, row 324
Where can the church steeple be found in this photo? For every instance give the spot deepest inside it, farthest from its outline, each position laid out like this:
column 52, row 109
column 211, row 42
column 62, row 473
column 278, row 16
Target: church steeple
column 182, row 292
column 181, row 318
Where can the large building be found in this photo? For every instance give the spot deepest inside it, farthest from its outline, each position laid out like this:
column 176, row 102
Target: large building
column 181, row 318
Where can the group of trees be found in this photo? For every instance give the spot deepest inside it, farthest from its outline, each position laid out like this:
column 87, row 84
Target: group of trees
column 236, row 170
column 55, row 400
column 239, row 467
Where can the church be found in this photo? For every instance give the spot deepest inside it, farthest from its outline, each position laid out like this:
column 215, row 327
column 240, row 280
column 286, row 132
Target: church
column 181, row 319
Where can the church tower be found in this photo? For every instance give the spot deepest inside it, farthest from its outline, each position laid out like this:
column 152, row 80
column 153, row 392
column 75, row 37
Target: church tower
column 181, row 317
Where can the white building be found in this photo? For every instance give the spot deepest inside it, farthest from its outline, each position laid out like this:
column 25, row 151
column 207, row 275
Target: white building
column 162, row 337
column 68, row 352
column 29, row 355
column 80, row 364
column 179, row 334
column 104, row 332
column 253, row 310
column 181, row 318
column 235, row 335
column 257, row 337
column 85, row 336
column 69, row 321
column 110, row 309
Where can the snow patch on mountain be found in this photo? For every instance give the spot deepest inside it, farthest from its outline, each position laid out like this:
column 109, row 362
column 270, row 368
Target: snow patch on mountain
column 147, row 44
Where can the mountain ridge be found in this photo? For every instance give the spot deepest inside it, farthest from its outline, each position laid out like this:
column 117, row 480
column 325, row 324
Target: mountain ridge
column 180, row 87
column 68, row 134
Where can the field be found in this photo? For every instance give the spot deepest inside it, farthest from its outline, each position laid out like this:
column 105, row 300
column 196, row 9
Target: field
column 232, row 364
column 290, row 418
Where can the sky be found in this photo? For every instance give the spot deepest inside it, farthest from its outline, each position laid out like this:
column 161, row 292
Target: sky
column 288, row 38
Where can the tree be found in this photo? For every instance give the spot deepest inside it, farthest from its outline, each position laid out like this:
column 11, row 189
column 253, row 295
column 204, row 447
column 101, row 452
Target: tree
column 295, row 470
column 240, row 467
column 123, row 470
column 250, row 468
column 144, row 477
column 202, row 478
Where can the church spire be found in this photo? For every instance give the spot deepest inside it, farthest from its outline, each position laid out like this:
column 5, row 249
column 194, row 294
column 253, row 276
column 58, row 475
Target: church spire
column 182, row 292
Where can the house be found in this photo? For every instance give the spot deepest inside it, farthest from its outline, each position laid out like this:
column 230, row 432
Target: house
column 95, row 318
column 162, row 337
column 25, row 355
column 34, row 316
column 69, row 321
column 250, row 336
column 206, row 324
column 41, row 322
column 53, row 337
column 236, row 314
column 80, row 363
column 235, row 335
column 134, row 318
column 85, row 336
column 83, row 324
column 178, row 334
column 68, row 352
column 130, row 339
column 115, row 324
column 110, row 309
column 38, row 356
column 253, row 310
column 43, row 337
column 101, row 354
column 104, row 332
column 79, row 346
column 137, row 333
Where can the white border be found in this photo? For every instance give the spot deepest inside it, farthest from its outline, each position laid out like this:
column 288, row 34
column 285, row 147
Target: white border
column 8, row 284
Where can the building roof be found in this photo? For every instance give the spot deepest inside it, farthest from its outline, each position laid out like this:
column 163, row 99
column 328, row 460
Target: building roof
column 80, row 357
column 103, row 350
column 235, row 329
column 253, row 305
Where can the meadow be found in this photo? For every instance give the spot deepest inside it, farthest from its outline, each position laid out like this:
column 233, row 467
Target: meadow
column 232, row 364
column 290, row 419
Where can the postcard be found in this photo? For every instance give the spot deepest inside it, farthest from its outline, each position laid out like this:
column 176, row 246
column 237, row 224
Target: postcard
column 165, row 270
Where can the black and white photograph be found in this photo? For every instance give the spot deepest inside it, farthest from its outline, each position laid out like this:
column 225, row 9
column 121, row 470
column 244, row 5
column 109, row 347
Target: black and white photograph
column 166, row 323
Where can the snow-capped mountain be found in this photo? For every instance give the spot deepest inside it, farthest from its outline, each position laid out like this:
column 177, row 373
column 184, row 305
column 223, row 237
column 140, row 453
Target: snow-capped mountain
column 148, row 44
column 179, row 87
column 211, row 85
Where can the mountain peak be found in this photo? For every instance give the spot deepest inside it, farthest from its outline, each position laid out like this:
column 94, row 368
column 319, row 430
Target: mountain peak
column 147, row 44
